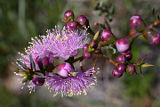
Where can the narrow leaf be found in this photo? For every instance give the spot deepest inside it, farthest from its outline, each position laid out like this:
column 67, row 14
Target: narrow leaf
column 147, row 65
column 96, row 35
column 39, row 74
column 21, row 64
column 32, row 63
column 112, row 49
column 18, row 67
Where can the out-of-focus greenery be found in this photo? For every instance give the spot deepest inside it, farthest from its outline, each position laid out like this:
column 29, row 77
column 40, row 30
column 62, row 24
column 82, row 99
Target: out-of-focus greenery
column 8, row 99
column 138, row 87
column 22, row 19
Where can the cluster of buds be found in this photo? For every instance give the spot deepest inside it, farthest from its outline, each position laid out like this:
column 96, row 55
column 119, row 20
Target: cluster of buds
column 150, row 32
column 50, row 59
column 123, row 58
column 122, row 46
column 72, row 24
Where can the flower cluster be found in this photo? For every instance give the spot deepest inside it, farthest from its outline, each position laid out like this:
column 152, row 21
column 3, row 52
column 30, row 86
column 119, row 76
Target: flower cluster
column 58, row 43
column 72, row 85
column 50, row 58
column 38, row 66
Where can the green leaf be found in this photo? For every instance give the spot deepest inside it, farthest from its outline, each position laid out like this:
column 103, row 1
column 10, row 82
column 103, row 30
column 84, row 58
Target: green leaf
column 23, row 73
column 18, row 67
column 39, row 74
column 32, row 63
column 96, row 35
column 73, row 73
column 146, row 65
column 21, row 64
column 36, row 39
column 55, row 71
column 90, row 49
column 112, row 49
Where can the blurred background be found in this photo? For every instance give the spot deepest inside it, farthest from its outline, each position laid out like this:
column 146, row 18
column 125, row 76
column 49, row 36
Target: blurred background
column 22, row 19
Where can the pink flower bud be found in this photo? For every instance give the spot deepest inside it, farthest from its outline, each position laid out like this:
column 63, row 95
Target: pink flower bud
column 82, row 20
column 106, row 35
column 121, row 59
column 122, row 45
column 68, row 13
column 63, row 69
column 135, row 21
column 38, row 81
column 86, row 54
column 155, row 39
column 121, row 68
column 130, row 69
column 42, row 60
column 93, row 44
column 72, row 25
column 85, row 47
column 117, row 74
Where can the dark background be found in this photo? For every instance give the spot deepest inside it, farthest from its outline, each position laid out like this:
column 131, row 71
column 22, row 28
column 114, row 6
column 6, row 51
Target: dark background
column 22, row 19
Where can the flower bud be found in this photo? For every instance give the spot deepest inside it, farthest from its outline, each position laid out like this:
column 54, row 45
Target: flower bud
column 82, row 20
column 137, row 23
column 122, row 45
column 155, row 39
column 86, row 54
column 93, row 44
column 148, row 34
column 71, row 25
column 117, row 74
column 50, row 56
column 38, row 81
column 42, row 60
column 121, row 68
column 63, row 69
column 130, row 69
column 69, row 13
column 133, row 33
column 85, row 47
column 106, row 35
column 121, row 59
column 127, row 54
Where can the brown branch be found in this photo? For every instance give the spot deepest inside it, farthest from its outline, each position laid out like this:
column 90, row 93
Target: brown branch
column 153, row 24
column 110, row 60
column 103, row 43
column 77, row 59
column 95, row 61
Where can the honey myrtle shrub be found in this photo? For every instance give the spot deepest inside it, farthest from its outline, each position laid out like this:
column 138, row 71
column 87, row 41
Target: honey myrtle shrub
column 50, row 59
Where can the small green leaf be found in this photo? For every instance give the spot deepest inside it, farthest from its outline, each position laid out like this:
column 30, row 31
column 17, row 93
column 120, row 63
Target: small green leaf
column 36, row 39
column 96, row 35
column 55, row 71
column 90, row 49
column 39, row 74
column 146, row 65
column 32, row 63
column 21, row 64
column 73, row 73
column 111, row 48
column 18, row 67
column 22, row 72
